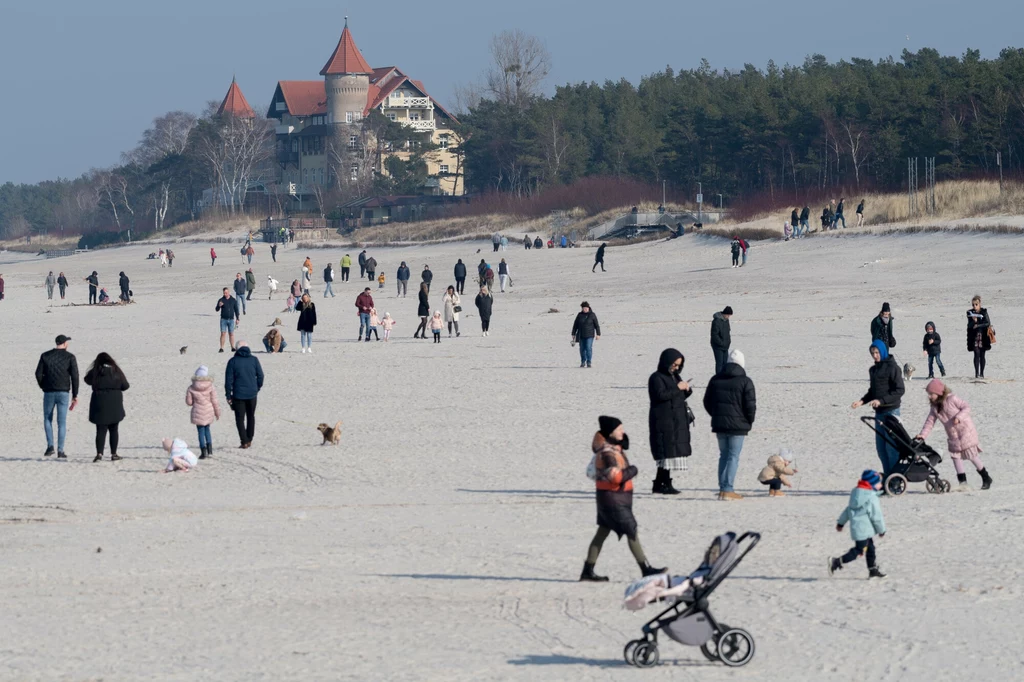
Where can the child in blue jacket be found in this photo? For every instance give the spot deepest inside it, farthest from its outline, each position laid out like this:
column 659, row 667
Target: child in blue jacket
column 864, row 513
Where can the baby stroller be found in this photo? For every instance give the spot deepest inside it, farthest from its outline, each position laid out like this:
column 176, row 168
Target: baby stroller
column 688, row 619
column 917, row 459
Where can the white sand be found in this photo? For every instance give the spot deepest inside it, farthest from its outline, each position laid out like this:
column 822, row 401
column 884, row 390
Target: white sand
column 443, row 538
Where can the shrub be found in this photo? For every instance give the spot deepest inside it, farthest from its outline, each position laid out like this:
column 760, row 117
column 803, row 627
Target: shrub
column 97, row 239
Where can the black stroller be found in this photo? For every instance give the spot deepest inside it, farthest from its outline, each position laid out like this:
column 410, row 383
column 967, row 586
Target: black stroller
column 917, row 459
column 689, row 621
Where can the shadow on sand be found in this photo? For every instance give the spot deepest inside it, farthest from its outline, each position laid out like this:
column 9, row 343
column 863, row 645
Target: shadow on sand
column 450, row 576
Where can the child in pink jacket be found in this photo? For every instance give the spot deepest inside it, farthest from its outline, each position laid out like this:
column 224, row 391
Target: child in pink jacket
column 202, row 397
column 955, row 414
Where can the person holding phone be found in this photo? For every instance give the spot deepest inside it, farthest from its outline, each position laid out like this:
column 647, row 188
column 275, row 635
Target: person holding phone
column 669, row 419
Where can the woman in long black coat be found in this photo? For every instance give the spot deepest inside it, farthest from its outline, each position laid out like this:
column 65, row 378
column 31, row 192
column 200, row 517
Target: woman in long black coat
column 423, row 311
column 668, row 419
column 106, row 406
column 978, row 339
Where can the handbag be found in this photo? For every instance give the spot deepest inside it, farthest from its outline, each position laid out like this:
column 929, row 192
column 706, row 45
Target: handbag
column 690, row 417
column 592, row 468
column 992, row 335
column 457, row 309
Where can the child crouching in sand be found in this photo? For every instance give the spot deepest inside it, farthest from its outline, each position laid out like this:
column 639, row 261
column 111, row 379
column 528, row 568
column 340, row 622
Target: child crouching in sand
column 962, row 437
column 387, row 323
column 182, row 459
column 864, row 513
column 774, row 475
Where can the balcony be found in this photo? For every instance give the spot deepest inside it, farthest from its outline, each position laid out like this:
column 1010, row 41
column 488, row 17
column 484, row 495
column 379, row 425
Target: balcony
column 419, row 125
column 410, row 102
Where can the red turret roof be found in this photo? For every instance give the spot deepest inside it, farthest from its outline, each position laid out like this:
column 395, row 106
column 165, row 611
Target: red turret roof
column 235, row 104
column 346, row 57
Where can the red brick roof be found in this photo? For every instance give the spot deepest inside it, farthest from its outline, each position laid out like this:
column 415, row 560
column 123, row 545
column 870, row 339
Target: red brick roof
column 346, row 57
column 235, row 104
column 304, row 98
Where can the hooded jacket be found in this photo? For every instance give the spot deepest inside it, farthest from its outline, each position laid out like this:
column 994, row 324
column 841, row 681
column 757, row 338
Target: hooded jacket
column 864, row 514
column 57, row 372
column 776, row 469
column 179, row 449
column 882, row 330
column 371, row 264
column 886, row 381
column 934, row 348
column 586, row 326
column 721, row 332
column 403, row 273
column 959, row 437
column 731, row 401
column 243, row 377
column 202, row 397
column 250, row 281
column 106, row 405
column 667, row 419
column 460, row 270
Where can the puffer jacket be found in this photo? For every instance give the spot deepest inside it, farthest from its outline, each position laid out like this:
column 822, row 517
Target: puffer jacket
column 614, row 471
column 864, row 514
column 959, row 437
column 243, row 377
column 776, row 469
column 585, row 325
column 721, row 334
column 57, row 372
column 886, row 378
column 460, row 270
column 731, row 401
column 202, row 397
column 106, row 405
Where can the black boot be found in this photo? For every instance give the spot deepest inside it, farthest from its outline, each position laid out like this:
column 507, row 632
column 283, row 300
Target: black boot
column 202, row 452
column 646, row 569
column 588, row 575
column 659, row 480
column 834, row 564
column 669, row 490
column 209, row 451
column 875, row 572
column 98, row 457
column 986, row 480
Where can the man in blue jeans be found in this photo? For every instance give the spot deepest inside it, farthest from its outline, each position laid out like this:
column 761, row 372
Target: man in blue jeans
column 732, row 404
column 884, row 394
column 57, row 375
column 585, row 329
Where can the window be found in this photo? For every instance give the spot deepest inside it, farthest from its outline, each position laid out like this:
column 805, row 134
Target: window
column 349, row 116
column 354, row 171
column 321, row 173
column 443, row 142
column 305, row 175
column 281, row 106
column 414, row 116
column 392, row 116
column 444, row 168
column 353, row 141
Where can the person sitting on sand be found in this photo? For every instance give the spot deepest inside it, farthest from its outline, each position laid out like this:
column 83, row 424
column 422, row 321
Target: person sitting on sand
column 181, row 458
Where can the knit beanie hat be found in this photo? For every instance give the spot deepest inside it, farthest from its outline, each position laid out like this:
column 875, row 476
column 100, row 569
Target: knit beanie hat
column 871, row 477
column 727, row 310
column 203, row 371
column 885, row 307
column 736, row 358
column 935, row 386
column 608, row 424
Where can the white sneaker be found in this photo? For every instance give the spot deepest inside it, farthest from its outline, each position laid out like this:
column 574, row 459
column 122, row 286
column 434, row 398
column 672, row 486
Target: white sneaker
column 303, row 350
column 309, row 350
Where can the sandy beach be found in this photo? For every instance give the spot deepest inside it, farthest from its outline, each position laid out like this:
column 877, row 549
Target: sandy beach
column 442, row 539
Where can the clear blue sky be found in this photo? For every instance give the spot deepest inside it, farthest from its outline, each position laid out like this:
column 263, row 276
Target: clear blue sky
column 81, row 80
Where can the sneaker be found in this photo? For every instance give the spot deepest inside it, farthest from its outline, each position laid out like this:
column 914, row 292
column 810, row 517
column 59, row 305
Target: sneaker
column 962, row 488
column 61, row 455
column 115, row 458
column 98, row 458
column 729, row 496
column 589, row 365
column 49, row 451
column 875, row 573
column 221, row 350
column 309, row 350
column 582, row 365
column 834, row 564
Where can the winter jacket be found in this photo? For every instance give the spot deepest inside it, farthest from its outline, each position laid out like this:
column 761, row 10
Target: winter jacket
column 794, row 218
column 106, row 405
column 586, row 326
column 250, row 281
column 179, row 450
column 886, row 383
column 806, row 213
column 307, row 316
column 346, row 261
column 239, row 286
column 202, row 397
column 428, row 276
column 776, row 469
column 364, row 302
column 975, row 325
column 488, row 275
column 731, row 401
column 882, row 330
column 93, row 280
column 839, row 209
column 307, row 278
column 721, row 332
column 243, row 377
column 436, row 323
column 864, row 514
column 275, row 339
column 667, row 419
column 371, row 264
column 599, row 256
column 450, row 301
column 226, row 307
column 460, row 270
column 423, row 310
column 735, row 249
column 57, row 372
column 614, row 471
column 484, row 302
column 328, row 274
column 959, row 437
column 403, row 273
column 62, row 281
column 935, row 347
column 362, row 258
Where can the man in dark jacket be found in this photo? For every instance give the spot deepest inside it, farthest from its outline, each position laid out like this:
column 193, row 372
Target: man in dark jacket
column 94, row 283
column 460, row 277
column 364, row 304
column 599, row 258
column 794, row 222
column 805, row 216
column 243, row 379
column 362, row 263
column 585, row 329
column 228, row 309
column 403, row 279
column 428, row 276
column 721, row 337
column 239, row 287
column 885, row 394
column 881, row 327
column 250, row 284
column 125, row 286
column 371, row 268
column 732, row 404
column 328, row 280
column 57, row 375
column 668, row 419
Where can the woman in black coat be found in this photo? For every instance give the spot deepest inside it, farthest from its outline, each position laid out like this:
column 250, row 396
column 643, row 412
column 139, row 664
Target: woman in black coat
column 423, row 311
column 124, row 284
column 668, row 419
column 106, row 406
column 978, row 339
column 307, row 321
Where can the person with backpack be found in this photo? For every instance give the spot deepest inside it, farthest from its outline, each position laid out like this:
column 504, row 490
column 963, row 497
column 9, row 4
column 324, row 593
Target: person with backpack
column 328, row 280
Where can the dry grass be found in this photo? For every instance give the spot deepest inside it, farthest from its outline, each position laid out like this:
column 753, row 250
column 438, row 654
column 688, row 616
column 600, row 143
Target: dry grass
column 449, row 229
column 748, row 233
column 953, row 200
column 207, row 225
column 40, row 243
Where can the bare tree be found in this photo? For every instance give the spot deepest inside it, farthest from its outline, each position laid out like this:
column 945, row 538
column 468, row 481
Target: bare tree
column 168, row 135
column 465, row 97
column 858, row 149
column 237, row 151
column 520, row 64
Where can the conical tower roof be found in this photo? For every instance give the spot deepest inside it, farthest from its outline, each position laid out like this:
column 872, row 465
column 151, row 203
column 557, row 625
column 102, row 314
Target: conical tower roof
column 235, row 103
column 346, row 57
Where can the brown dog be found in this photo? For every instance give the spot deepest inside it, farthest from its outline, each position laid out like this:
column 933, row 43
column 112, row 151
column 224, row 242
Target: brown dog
column 331, row 435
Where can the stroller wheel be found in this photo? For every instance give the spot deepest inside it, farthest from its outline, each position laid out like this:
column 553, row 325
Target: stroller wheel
column 627, row 653
column 710, row 647
column 945, row 486
column 645, row 655
column 735, row 647
column 933, row 485
column 896, row 484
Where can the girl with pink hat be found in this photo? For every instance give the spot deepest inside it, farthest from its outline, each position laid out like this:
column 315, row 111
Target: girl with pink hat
column 955, row 415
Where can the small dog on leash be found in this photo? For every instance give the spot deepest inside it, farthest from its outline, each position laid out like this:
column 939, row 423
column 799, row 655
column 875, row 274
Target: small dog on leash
column 908, row 371
column 331, row 435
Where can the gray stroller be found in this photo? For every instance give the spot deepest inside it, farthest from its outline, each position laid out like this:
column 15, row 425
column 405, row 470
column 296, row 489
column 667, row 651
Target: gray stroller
column 688, row 619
